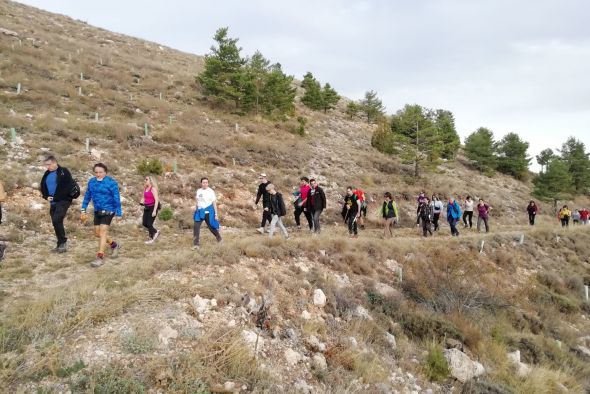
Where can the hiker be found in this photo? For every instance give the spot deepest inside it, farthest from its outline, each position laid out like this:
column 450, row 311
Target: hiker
column 59, row 188
column 316, row 203
column 483, row 211
column 584, row 214
column 2, row 199
column 262, row 193
column 301, row 203
column 151, row 206
column 206, row 210
column 421, row 197
column 532, row 209
column 564, row 216
column 437, row 208
column 277, row 210
column 103, row 191
column 360, row 195
column 468, row 212
column 425, row 215
column 351, row 211
column 453, row 215
column 576, row 217
column 389, row 213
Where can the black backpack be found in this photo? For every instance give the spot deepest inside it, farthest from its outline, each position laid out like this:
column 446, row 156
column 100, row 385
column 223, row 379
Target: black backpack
column 75, row 192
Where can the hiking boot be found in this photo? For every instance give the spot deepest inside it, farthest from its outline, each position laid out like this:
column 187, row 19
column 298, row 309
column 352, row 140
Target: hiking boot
column 261, row 230
column 115, row 250
column 97, row 262
column 54, row 250
column 61, row 248
column 156, row 235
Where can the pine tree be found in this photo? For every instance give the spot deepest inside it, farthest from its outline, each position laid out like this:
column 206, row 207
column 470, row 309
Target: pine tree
column 254, row 78
column 512, row 156
column 222, row 79
column 329, row 97
column 277, row 93
column 479, row 148
column 383, row 139
column 545, row 157
column 312, row 97
column 372, row 107
column 352, row 109
column 555, row 184
column 573, row 153
column 445, row 123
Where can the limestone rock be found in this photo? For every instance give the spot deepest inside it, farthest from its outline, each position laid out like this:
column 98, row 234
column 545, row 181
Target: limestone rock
column 251, row 339
column 318, row 362
column 462, row 367
column 522, row 369
column 293, row 357
column 166, row 334
column 319, row 298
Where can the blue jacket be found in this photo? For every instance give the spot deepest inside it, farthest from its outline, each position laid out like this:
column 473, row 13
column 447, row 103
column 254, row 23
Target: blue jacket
column 453, row 211
column 200, row 215
column 104, row 195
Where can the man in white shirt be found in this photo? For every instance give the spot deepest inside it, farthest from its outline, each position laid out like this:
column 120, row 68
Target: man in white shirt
column 206, row 211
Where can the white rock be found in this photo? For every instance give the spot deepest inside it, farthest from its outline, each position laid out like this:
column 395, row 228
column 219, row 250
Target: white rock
column 583, row 350
column 95, row 153
column 213, row 302
column 462, row 367
column 353, row 341
column 392, row 265
column 231, row 323
column 315, row 344
column 386, row 290
column 35, row 185
column 2, row 141
column 8, row 32
column 318, row 362
column 319, row 298
column 522, row 369
column 229, row 386
column 292, row 357
column 391, row 340
column 301, row 386
column 251, row 338
column 200, row 305
column 305, row 315
column 361, row 312
column 36, row 206
column 166, row 334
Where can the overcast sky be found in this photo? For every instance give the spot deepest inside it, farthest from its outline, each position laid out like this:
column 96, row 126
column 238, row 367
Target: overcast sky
column 512, row 66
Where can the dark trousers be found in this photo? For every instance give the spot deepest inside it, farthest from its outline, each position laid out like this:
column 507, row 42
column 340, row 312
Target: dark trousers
column 485, row 221
column 453, row 224
column 565, row 221
column 148, row 220
column 532, row 219
column 435, row 218
column 197, row 230
column 468, row 215
column 316, row 221
column 266, row 216
column 0, row 213
column 426, row 227
column 352, row 224
column 58, row 211
column 298, row 211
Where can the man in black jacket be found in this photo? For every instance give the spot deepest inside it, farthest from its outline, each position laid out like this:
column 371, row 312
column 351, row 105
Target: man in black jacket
column 277, row 210
column 56, row 187
column 316, row 203
column 262, row 192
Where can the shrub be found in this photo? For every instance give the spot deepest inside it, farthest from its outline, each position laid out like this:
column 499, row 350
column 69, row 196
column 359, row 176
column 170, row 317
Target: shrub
column 139, row 342
column 150, row 167
column 166, row 214
column 417, row 325
column 435, row 365
column 112, row 379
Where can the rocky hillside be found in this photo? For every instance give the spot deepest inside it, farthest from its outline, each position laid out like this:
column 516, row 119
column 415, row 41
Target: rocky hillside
column 496, row 313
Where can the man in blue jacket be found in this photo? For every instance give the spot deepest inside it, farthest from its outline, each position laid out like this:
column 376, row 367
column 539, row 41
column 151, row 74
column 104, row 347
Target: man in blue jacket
column 103, row 191
column 453, row 215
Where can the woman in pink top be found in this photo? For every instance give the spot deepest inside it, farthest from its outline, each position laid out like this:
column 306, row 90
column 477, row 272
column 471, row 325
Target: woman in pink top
column 151, row 206
column 483, row 211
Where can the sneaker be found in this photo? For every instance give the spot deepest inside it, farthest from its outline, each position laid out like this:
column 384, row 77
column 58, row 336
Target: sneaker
column 195, row 247
column 115, row 250
column 156, row 235
column 261, row 230
column 149, row 241
column 97, row 262
column 54, row 250
column 62, row 248
column 298, row 227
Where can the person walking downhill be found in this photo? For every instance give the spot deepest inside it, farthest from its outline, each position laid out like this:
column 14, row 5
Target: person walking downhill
column 564, row 216
column 532, row 210
column 453, row 215
column 483, row 212
column 425, row 215
column 301, row 203
column 362, row 199
column 584, row 214
column 277, row 211
column 389, row 214
column 437, row 208
column 316, row 203
column 351, row 210
column 576, row 217
column 206, row 211
column 468, row 212
column 103, row 191
column 151, row 207
column 59, row 188
column 262, row 193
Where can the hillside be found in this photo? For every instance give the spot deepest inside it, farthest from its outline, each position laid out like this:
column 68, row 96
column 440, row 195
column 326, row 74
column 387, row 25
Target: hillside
column 247, row 315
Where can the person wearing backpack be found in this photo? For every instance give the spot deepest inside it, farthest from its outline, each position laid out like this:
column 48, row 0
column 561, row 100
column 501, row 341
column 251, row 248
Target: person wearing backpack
column 316, row 203
column 2, row 199
column 437, row 208
column 425, row 215
column 389, row 213
column 59, row 188
column 277, row 210
column 351, row 211
column 453, row 215
column 362, row 199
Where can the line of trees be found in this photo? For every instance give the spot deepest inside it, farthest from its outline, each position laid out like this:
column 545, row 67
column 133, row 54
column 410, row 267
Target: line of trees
column 508, row 156
column 316, row 97
column 250, row 84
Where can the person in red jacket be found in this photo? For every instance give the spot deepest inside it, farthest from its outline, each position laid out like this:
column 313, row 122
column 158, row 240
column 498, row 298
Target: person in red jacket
column 532, row 209
column 584, row 215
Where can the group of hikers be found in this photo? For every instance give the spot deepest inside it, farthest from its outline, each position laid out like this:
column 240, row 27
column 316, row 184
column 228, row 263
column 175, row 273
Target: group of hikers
column 60, row 189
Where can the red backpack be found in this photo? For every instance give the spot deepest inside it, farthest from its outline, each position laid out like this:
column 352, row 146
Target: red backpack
column 360, row 195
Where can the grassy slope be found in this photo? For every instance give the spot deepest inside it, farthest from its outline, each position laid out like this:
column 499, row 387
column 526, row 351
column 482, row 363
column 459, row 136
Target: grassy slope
column 57, row 311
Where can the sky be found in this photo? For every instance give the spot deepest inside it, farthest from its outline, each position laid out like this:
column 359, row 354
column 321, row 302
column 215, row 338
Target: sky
column 511, row 66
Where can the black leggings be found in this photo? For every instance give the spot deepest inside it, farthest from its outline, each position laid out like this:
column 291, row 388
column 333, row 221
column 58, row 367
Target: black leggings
column 300, row 210
column 565, row 221
column 426, row 227
column 532, row 219
column 148, row 220
column 468, row 214
column 435, row 218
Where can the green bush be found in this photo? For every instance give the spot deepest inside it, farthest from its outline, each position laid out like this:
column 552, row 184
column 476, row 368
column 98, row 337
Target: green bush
column 425, row 326
column 139, row 343
column 112, row 379
column 166, row 214
column 64, row 372
column 150, row 167
column 436, row 366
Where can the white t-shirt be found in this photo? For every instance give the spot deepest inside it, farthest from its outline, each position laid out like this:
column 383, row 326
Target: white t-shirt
column 205, row 197
column 468, row 206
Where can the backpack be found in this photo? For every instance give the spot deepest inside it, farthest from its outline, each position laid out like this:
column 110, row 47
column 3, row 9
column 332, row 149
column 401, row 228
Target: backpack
column 359, row 195
column 75, row 192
